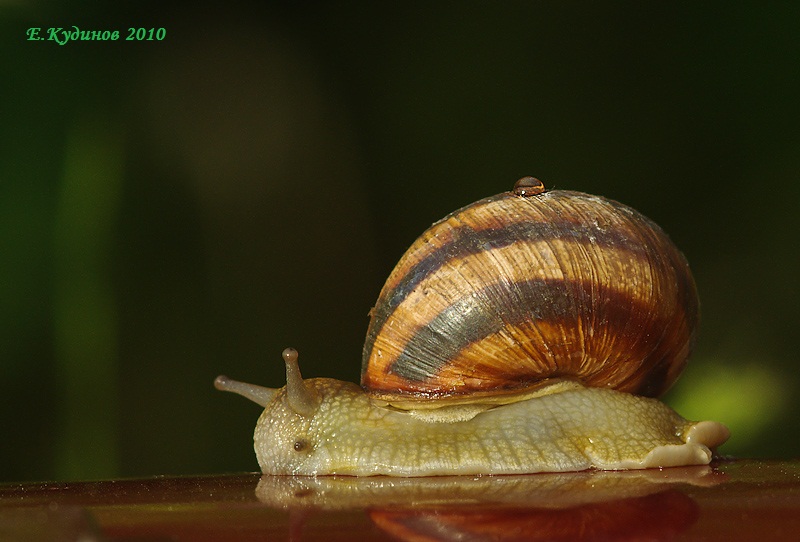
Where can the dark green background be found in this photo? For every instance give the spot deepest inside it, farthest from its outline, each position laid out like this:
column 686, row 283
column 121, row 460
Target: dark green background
column 171, row 210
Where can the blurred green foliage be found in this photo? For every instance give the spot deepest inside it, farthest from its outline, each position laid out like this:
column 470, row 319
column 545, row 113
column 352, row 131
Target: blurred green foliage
column 171, row 210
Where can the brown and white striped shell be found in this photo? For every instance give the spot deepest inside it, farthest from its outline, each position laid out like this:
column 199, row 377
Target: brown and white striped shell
column 530, row 286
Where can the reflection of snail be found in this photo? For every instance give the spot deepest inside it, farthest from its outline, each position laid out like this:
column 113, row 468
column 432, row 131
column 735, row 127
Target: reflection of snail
column 557, row 490
column 661, row 516
column 589, row 505
column 510, row 338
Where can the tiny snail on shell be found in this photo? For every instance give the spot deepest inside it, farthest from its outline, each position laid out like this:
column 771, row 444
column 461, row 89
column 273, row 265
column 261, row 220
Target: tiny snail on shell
column 526, row 332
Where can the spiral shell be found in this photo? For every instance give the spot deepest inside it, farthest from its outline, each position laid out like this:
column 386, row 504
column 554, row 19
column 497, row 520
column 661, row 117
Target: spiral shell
column 530, row 286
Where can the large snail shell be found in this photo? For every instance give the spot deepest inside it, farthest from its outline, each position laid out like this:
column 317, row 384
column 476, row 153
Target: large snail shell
column 515, row 290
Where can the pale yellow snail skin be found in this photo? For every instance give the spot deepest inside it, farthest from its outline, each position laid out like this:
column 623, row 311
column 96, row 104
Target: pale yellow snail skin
column 323, row 426
column 526, row 332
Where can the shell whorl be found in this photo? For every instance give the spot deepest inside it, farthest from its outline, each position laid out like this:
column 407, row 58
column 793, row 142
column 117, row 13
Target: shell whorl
column 516, row 289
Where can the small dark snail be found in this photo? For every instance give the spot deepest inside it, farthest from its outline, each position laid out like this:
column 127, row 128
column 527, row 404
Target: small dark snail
column 523, row 333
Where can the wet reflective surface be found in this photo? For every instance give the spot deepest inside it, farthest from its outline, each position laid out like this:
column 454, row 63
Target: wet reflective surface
column 736, row 500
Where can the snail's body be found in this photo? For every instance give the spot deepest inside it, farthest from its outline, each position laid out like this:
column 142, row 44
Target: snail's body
column 522, row 333
column 571, row 429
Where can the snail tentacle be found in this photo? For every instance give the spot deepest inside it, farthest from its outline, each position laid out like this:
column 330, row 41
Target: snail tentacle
column 303, row 399
column 258, row 394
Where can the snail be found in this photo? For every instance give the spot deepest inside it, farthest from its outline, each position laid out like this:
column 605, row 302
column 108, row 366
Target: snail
column 531, row 331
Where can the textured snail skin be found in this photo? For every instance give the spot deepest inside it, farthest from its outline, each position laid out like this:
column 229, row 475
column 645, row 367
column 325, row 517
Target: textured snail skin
column 571, row 429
